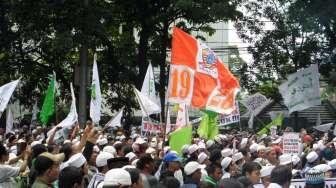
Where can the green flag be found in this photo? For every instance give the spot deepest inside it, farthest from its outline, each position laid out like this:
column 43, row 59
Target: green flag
column 48, row 108
column 208, row 128
column 180, row 137
column 276, row 122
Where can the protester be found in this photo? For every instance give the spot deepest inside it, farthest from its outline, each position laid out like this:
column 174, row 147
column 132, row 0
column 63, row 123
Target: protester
column 215, row 173
column 280, row 177
column 71, row 177
column 47, row 168
column 193, row 175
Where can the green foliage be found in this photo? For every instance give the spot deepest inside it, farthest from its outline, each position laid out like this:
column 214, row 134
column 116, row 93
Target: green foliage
column 299, row 33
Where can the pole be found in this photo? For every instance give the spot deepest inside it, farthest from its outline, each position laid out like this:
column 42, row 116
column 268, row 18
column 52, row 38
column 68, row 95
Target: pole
column 165, row 125
column 82, row 115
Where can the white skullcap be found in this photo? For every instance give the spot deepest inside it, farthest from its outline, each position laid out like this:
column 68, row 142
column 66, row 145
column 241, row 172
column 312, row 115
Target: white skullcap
column 117, row 142
column 266, row 171
column 34, row 143
column 320, row 145
column 140, row 140
column 122, row 137
column 226, row 152
column 285, row 159
column 237, row 156
column 254, row 147
column 193, row 148
column 102, row 141
column 223, row 137
column 96, row 149
column 102, row 158
column 226, row 162
column 277, row 141
column 332, row 164
column 130, row 156
column 76, row 160
column 202, row 157
column 312, row 156
column 209, row 143
column 110, row 149
column 323, row 168
column 117, row 177
column 191, row 167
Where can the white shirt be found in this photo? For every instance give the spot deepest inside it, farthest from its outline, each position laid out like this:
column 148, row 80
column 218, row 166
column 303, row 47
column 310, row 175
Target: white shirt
column 274, row 185
column 7, row 172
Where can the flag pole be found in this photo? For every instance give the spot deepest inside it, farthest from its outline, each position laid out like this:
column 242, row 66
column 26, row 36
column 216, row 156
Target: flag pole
column 165, row 125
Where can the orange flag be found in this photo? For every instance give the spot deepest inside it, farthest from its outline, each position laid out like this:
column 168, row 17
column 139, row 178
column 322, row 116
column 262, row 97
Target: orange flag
column 198, row 77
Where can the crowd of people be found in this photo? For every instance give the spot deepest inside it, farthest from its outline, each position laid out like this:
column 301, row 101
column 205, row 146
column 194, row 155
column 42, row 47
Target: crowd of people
column 95, row 158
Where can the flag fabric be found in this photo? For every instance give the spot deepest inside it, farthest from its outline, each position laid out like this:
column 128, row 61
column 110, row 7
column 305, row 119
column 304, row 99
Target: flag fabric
column 147, row 106
column 72, row 117
column 180, row 137
column 116, row 121
column 198, row 77
column 148, row 86
column 95, row 104
column 256, row 103
column 324, row 127
column 6, row 92
column 182, row 118
column 9, row 121
column 208, row 128
column 276, row 122
column 168, row 123
column 48, row 107
column 302, row 89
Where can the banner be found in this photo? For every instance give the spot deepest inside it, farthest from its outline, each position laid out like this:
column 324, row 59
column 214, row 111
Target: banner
column 302, row 89
column 233, row 117
column 300, row 183
column 198, row 77
column 291, row 143
column 256, row 103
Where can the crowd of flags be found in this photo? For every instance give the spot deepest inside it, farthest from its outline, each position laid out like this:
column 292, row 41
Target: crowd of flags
column 197, row 79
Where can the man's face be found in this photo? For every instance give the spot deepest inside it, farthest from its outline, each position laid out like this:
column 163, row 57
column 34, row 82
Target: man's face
column 218, row 174
column 254, row 176
column 150, row 166
column 271, row 156
column 53, row 172
column 174, row 166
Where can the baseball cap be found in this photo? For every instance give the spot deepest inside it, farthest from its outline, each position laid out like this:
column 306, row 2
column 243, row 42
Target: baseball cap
column 191, row 167
column 117, row 177
column 171, row 157
column 102, row 158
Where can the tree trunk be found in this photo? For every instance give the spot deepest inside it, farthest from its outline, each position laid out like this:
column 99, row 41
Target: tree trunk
column 142, row 54
column 163, row 67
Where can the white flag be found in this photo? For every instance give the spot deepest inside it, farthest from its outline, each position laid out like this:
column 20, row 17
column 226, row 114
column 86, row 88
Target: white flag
column 182, row 118
column 6, row 92
column 324, row 127
column 147, row 106
column 256, row 103
column 9, row 121
column 302, row 89
column 148, row 86
column 168, row 124
column 116, row 121
column 72, row 117
column 95, row 104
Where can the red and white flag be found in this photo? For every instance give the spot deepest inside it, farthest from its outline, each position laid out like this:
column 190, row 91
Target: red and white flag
column 198, row 77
